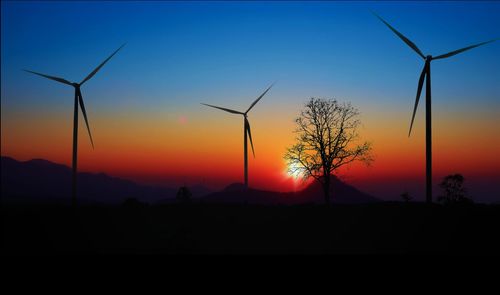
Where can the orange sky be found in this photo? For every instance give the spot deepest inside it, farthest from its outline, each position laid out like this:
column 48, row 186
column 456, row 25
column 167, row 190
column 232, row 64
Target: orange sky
column 200, row 145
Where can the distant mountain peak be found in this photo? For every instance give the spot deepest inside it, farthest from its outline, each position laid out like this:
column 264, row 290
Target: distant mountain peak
column 38, row 178
column 340, row 192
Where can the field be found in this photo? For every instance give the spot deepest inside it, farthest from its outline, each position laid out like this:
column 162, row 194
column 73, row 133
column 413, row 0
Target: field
column 250, row 229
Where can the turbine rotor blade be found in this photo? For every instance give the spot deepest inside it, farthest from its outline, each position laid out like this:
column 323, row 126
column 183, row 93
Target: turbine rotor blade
column 82, row 106
column 100, row 66
column 247, row 130
column 61, row 80
column 257, row 100
column 406, row 40
column 419, row 91
column 224, row 109
column 462, row 49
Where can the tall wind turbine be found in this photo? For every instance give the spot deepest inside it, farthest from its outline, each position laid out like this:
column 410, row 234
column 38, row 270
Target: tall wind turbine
column 426, row 74
column 78, row 101
column 246, row 130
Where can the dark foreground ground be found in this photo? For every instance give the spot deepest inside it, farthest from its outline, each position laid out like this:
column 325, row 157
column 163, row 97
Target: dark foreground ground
column 248, row 229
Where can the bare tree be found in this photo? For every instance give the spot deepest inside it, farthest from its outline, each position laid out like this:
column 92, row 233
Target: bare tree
column 454, row 190
column 327, row 132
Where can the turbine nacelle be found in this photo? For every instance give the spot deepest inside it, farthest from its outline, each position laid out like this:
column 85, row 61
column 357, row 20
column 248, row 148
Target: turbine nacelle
column 428, row 58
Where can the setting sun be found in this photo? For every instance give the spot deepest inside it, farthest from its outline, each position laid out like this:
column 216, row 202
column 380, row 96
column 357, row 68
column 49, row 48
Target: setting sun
column 295, row 170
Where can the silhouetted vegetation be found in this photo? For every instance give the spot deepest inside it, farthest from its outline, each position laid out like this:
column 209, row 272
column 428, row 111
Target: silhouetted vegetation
column 406, row 197
column 454, row 190
column 184, row 194
column 327, row 131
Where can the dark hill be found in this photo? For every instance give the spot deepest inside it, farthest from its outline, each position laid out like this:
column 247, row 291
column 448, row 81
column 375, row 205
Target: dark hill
column 341, row 193
column 41, row 180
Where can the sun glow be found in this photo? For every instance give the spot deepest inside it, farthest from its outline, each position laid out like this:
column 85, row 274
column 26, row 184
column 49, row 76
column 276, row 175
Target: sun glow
column 295, row 170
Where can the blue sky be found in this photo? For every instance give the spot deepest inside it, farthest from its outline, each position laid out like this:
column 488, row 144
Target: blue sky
column 188, row 51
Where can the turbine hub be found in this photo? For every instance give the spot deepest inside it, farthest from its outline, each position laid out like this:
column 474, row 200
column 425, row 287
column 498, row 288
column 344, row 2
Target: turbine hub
column 428, row 57
column 76, row 85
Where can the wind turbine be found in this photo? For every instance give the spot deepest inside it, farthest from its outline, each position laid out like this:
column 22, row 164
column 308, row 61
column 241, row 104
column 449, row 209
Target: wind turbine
column 246, row 130
column 426, row 74
column 78, row 101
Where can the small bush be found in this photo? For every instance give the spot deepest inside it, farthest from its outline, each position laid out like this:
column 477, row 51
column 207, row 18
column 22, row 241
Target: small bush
column 454, row 190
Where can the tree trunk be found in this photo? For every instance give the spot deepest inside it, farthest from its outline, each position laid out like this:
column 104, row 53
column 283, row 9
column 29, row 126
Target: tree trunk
column 326, row 189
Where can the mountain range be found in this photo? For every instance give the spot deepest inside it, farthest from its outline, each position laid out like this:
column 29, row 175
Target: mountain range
column 41, row 180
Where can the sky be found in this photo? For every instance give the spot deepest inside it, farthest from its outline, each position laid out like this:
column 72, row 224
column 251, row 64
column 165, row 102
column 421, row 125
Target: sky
column 144, row 104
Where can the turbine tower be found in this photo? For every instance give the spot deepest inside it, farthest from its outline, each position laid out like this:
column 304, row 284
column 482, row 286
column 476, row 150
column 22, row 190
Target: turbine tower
column 246, row 130
column 426, row 74
column 78, row 101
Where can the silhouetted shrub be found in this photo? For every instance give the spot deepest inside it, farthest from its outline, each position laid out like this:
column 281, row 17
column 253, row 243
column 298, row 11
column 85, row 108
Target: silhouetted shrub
column 454, row 190
column 184, row 194
column 406, row 197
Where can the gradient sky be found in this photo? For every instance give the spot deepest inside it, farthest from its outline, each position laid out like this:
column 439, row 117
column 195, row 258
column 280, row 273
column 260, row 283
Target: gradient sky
column 144, row 105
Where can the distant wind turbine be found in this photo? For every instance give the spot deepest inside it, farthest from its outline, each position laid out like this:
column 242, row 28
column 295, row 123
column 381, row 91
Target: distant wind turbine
column 426, row 74
column 246, row 130
column 78, row 101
